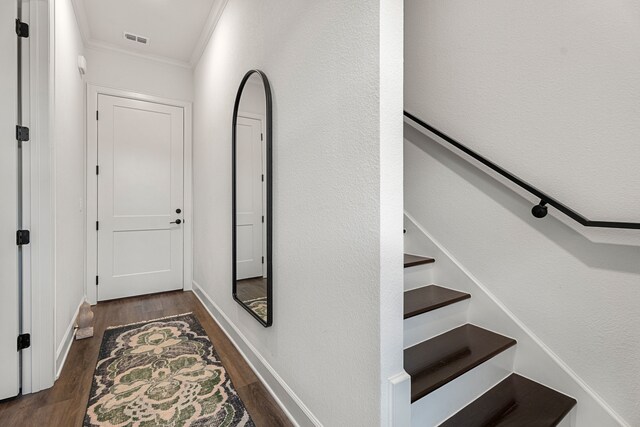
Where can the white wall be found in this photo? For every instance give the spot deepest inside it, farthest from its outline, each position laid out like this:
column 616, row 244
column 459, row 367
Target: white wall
column 123, row 71
column 69, row 154
column 548, row 89
column 323, row 61
column 253, row 98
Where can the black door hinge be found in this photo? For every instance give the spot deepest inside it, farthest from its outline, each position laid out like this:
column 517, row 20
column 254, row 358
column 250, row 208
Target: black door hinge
column 22, row 237
column 262, row 177
column 261, row 137
column 24, row 341
column 96, row 114
column 263, row 260
column 22, row 29
column 97, row 170
column 97, row 225
column 263, row 219
column 97, row 281
column 22, row 133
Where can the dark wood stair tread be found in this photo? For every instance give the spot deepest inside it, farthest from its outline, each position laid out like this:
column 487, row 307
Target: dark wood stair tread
column 413, row 260
column 428, row 298
column 515, row 402
column 439, row 360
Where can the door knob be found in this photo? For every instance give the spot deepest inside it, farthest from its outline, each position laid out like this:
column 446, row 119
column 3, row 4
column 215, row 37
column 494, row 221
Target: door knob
column 177, row 221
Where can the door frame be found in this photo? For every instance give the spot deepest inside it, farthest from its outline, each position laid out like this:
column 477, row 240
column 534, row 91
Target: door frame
column 91, row 253
column 262, row 119
column 38, row 305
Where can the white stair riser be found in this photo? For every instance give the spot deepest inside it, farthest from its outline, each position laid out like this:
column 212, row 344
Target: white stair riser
column 428, row 325
column 534, row 360
column 438, row 406
column 417, row 276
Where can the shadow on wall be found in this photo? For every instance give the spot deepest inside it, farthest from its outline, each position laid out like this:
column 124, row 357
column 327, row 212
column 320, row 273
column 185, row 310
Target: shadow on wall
column 606, row 256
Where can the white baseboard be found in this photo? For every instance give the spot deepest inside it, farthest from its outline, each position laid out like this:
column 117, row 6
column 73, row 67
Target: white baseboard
column 67, row 340
column 399, row 400
column 290, row 403
column 535, row 360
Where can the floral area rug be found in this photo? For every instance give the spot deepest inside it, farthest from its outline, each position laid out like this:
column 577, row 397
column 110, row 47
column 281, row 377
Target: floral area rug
column 162, row 372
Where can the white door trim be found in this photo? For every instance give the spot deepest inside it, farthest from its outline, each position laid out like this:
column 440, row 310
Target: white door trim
column 38, row 361
column 92, row 182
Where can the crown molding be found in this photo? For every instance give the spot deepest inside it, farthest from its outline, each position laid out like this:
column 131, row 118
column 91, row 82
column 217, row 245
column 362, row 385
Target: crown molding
column 207, row 31
column 81, row 19
column 108, row 47
column 212, row 21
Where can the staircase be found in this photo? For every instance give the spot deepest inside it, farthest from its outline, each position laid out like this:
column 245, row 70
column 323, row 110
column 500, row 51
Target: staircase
column 461, row 374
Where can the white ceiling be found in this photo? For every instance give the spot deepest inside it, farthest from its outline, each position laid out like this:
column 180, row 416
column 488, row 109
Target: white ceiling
column 177, row 30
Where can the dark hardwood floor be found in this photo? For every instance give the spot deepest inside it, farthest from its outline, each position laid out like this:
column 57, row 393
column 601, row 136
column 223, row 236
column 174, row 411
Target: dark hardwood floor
column 65, row 403
column 249, row 289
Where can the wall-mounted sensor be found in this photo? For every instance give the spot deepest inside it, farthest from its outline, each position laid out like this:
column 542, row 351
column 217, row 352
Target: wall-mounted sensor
column 82, row 65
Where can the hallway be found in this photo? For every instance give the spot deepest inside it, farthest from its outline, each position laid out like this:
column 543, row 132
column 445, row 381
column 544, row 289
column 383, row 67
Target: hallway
column 64, row 404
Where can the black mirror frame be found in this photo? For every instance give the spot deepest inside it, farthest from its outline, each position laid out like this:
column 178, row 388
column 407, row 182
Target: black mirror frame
column 269, row 186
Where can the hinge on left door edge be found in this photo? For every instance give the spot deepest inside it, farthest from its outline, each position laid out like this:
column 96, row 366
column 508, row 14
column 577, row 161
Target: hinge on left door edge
column 97, row 281
column 24, row 341
column 22, row 133
column 22, row 29
column 22, row 237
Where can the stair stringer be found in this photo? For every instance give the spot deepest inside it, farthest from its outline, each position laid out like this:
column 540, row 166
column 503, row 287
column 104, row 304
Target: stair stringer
column 533, row 359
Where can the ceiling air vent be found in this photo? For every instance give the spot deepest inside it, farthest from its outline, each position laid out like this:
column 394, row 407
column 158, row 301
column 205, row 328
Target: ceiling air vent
column 136, row 38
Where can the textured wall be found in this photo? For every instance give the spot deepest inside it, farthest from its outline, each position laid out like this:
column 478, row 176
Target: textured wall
column 69, row 167
column 323, row 61
column 548, row 89
column 109, row 69
column 128, row 72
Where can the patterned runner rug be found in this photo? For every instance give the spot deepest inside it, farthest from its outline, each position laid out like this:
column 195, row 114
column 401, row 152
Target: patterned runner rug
column 162, row 372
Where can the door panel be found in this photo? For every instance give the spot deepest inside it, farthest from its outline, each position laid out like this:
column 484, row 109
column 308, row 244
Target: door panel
column 140, row 187
column 249, row 234
column 9, row 300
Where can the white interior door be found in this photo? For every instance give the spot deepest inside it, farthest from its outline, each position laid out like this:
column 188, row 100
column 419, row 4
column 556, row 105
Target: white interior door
column 249, row 197
column 9, row 310
column 140, row 197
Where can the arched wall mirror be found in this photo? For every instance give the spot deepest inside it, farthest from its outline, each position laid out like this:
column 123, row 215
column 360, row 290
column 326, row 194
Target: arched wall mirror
column 252, row 197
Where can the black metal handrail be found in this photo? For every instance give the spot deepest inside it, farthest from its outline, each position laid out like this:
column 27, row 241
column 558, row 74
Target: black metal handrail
column 539, row 210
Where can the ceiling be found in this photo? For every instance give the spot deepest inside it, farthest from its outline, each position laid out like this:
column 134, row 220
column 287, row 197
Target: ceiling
column 177, row 30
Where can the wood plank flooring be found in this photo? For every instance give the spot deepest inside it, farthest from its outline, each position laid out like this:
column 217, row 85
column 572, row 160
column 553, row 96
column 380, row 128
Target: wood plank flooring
column 249, row 289
column 65, row 403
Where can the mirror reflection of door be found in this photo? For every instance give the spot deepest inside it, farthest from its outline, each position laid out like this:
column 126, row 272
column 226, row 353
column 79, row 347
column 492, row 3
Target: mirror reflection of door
column 249, row 196
column 251, row 285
